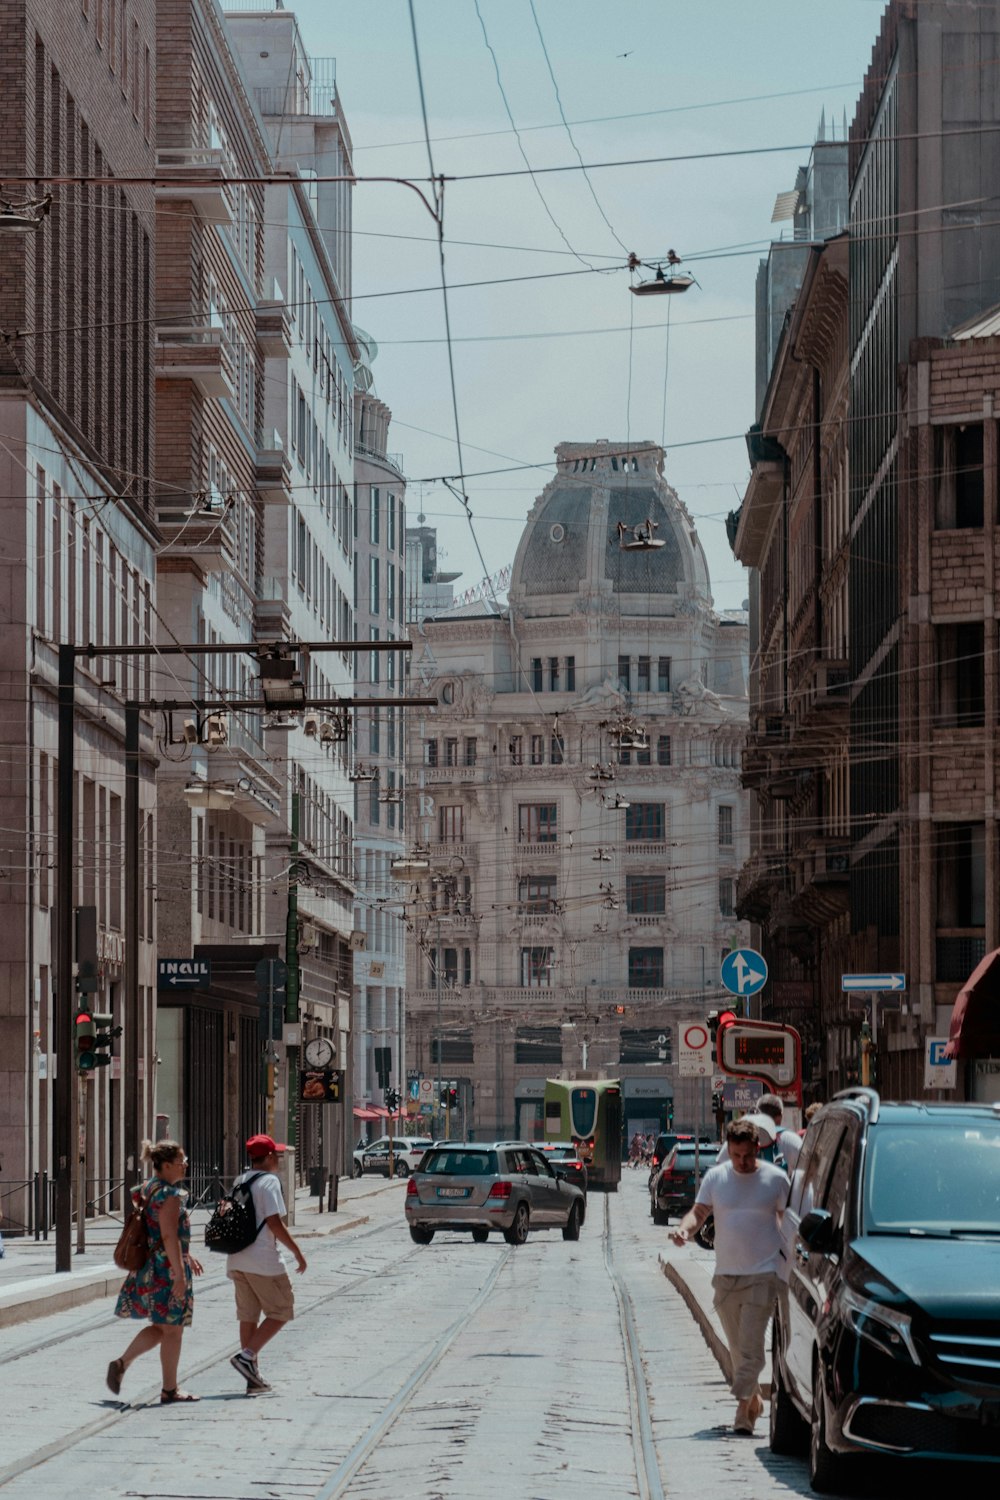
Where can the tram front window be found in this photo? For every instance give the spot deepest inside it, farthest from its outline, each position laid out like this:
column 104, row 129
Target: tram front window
column 584, row 1106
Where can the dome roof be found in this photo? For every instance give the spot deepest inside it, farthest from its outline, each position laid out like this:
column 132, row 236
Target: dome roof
column 572, row 547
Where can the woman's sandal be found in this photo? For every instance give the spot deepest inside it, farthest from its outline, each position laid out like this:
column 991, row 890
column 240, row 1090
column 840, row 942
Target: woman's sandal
column 167, row 1398
column 115, row 1376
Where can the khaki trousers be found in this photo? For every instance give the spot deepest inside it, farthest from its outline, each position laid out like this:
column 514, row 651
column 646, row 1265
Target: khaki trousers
column 745, row 1305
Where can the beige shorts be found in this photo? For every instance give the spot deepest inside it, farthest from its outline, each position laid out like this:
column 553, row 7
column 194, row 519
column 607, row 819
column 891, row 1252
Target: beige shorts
column 267, row 1296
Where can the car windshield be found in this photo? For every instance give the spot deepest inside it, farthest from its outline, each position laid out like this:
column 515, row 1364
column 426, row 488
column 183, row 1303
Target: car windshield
column 457, row 1163
column 944, row 1181
column 685, row 1158
column 561, row 1153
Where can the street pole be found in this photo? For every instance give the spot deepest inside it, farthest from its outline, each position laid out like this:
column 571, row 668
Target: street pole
column 292, row 980
column 134, row 894
column 62, row 990
column 269, row 1064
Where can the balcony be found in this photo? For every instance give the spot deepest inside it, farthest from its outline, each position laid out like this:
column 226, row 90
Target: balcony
column 274, row 471
column 645, row 848
column 757, row 886
column 274, row 325
column 198, row 177
column 201, row 355
column 449, row 775
column 824, row 690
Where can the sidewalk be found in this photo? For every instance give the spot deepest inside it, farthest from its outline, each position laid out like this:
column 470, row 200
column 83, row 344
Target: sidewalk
column 30, row 1287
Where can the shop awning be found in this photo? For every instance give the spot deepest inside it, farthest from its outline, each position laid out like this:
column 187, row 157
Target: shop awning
column 975, row 1018
column 381, row 1113
column 360, row 1113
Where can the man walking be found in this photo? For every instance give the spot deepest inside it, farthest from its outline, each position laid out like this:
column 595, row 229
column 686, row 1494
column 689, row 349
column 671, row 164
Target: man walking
column 264, row 1298
column 747, row 1197
column 787, row 1143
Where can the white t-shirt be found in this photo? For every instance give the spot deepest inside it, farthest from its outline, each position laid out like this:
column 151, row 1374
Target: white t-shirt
column 745, row 1206
column 263, row 1257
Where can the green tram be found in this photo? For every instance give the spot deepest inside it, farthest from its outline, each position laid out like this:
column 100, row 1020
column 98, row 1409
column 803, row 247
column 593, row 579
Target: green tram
column 588, row 1112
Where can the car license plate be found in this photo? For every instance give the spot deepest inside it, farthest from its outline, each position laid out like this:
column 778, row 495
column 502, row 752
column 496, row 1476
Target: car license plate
column 453, row 1192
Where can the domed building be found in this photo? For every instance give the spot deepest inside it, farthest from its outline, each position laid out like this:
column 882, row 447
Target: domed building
column 577, row 798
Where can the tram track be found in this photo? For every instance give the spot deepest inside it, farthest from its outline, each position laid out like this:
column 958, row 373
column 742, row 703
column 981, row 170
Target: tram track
column 69, row 1440
column 647, row 1467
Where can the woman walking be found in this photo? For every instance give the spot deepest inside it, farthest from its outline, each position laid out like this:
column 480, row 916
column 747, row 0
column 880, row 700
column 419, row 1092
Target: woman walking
column 162, row 1289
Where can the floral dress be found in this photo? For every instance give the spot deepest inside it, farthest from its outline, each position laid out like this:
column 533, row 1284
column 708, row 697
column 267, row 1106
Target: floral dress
column 148, row 1292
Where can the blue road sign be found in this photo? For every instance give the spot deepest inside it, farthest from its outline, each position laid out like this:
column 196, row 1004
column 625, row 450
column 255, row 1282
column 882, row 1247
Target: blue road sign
column 873, row 981
column 744, row 972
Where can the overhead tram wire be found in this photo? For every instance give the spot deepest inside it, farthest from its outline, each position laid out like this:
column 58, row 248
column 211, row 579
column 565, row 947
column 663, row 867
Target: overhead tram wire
column 520, row 144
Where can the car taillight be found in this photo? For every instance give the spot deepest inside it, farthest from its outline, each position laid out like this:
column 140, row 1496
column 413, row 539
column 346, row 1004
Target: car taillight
column 411, row 1189
column 656, row 1161
column 501, row 1190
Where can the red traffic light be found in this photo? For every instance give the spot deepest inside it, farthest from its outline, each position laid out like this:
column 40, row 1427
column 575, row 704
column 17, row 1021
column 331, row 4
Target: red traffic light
column 727, row 1017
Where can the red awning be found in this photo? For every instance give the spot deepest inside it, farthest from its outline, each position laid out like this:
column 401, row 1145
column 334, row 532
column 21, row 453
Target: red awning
column 975, row 1018
column 381, row 1113
column 361, row 1113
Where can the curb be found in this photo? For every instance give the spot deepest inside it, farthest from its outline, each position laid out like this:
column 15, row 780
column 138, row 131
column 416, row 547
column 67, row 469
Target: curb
column 717, row 1345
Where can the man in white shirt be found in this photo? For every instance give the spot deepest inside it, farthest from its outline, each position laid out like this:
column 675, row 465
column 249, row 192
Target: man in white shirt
column 264, row 1298
column 787, row 1143
column 747, row 1198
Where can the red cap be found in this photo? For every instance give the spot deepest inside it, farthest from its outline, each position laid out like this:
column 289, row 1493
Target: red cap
column 262, row 1145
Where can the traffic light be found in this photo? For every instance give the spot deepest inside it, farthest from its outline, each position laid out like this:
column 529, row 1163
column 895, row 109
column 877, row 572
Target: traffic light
column 718, row 1103
column 453, row 1096
column 443, row 1096
column 86, row 1035
column 392, row 1098
column 717, row 1020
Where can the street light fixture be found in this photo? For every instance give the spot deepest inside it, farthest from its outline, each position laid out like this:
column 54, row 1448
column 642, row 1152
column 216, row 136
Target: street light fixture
column 23, row 217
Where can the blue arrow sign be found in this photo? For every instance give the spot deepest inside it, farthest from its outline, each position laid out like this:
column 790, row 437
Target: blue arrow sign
column 744, row 972
column 873, row 981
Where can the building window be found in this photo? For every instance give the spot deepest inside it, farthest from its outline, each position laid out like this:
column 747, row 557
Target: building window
column 451, row 824
column 663, row 750
column 960, row 494
column 642, row 676
column 725, row 827
column 663, row 675
column 646, row 893
column 571, row 674
column 430, row 752
column 624, row 674
column 517, row 749
column 556, row 750
column 469, row 753
column 373, row 515
column 536, row 968
column 961, row 875
column 537, row 823
column 645, row 821
column 961, row 700
column 645, row 968
column 726, row 907
column 374, row 602
column 644, row 1044
column 456, row 1047
column 644, row 757
column 553, row 674
column 538, row 1045
column 536, row 893
column 538, row 749
column 451, row 752
column 536, row 674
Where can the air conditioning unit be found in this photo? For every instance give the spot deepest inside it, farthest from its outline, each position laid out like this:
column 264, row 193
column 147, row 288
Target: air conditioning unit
column 216, row 731
column 311, row 725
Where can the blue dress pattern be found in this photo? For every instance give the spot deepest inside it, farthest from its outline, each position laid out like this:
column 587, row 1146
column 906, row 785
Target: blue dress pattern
column 148, row 1292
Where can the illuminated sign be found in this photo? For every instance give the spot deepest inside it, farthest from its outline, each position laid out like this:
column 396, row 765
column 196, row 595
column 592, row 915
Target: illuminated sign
column 761, row 1049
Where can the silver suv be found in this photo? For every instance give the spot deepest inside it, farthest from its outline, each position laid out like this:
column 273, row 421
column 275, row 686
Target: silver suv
column 507, row 1186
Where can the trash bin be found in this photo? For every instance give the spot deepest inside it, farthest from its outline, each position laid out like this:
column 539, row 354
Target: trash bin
column 317, row 1182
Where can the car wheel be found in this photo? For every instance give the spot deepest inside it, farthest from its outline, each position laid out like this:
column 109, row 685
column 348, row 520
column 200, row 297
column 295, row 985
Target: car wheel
column 357, row 1170
column 420, row 1236
column 571, row 1228
column 518, row 1231
column 826, row 1468
column 401, row 1169
column 480, row 1236
column 705, row 1236
column 788, row 1430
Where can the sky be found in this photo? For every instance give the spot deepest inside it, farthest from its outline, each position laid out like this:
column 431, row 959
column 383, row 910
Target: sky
column 570, row 355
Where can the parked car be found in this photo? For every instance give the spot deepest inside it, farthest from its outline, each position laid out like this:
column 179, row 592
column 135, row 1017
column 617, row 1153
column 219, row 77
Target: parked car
column 407, row 1153
column 672, row 1187
column 509, row 1186
column 566, row 1152
column 889, row 1339
column 666, row 1142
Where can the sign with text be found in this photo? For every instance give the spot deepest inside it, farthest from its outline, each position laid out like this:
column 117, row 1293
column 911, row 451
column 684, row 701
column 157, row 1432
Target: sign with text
column 183, row 973
column 940, row 1072
column 694, row 1054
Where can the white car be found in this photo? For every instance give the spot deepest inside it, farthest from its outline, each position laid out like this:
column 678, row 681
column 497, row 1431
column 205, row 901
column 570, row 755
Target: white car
column 407, row 1152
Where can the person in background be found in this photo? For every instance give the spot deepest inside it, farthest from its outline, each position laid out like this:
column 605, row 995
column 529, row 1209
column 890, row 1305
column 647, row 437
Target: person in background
column 265, row 1301
column 787, row 1143
column 747, row 1198
column 811, row 1112
column 162, row 1290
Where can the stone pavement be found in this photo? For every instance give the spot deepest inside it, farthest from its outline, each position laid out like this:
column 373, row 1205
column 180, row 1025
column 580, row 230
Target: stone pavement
column 31, row 1288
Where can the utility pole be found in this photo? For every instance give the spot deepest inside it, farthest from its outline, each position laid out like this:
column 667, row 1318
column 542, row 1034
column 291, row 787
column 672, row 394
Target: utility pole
column 292, row 980
column 63, row 1112
column 135, row 895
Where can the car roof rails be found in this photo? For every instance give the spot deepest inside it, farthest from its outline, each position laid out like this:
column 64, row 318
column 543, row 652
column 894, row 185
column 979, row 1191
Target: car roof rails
column 865, row 1096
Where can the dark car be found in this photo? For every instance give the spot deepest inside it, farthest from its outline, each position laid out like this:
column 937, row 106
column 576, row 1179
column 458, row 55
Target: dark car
column 673, row 1186
column 889, row 1339
column 469, row 1188
column 666, row 1142
column 565, row 1153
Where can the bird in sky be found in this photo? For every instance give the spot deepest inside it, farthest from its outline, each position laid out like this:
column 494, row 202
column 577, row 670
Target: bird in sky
column 624, row 54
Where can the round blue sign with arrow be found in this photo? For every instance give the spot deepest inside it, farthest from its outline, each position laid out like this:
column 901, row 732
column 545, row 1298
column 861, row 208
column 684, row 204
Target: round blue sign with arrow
column 744, row 972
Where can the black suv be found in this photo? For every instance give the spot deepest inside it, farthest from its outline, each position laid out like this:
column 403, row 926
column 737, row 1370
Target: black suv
column 889, row 1338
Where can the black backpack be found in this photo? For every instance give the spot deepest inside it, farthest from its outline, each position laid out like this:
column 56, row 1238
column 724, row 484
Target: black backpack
column 233, row 1225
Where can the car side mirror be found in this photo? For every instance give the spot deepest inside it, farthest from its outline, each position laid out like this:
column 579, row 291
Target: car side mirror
column 817, row 1229
column 561, row 1172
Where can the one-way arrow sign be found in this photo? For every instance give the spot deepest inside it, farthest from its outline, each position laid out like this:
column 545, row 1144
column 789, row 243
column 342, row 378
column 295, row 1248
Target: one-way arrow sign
column 873, row 981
